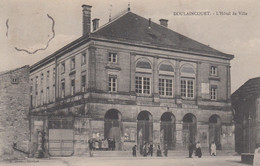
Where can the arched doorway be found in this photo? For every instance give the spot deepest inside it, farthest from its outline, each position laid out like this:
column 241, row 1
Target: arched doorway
column 215, row 130
column 168, row 130
column 113, row 127
column 144, row 127
column 189, row 129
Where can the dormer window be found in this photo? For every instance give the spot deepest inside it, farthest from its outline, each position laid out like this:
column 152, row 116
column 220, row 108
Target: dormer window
column 112, row 57
column 213, row 71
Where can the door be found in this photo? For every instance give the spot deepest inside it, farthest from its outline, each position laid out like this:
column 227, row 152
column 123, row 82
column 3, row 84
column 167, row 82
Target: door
column 61, row 137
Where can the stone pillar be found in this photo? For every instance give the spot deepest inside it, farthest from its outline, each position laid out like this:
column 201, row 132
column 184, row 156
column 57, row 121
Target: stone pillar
column 92, row 68
column 155, row 80
column 228, row 84
column 179, row 143
column 198, row 81
column 132, row 73
column 177, row 84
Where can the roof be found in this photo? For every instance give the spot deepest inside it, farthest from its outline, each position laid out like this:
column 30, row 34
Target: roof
column 133, row 28
column 10, row 71
column 248, row 90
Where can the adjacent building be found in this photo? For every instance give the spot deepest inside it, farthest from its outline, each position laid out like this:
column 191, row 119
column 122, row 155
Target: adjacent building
column 14, row 109
column 132, row 81
column 246, row 104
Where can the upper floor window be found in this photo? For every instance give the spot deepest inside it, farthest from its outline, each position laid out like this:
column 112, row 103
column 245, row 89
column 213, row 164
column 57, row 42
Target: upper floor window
column 165, row 87
column 83, row 58
column 213, row 93
column 112, row 83
column 42, row 77
column 63, row 88
column 72, row 63
column 112, row 57
column 143, row 65
column 48, row 77
column 187, row 88
column 36, row 85
column 72, row 87
column 53, row 75
column 83, row 83
column 142, row 85
column 62, row 69
column 213, row 71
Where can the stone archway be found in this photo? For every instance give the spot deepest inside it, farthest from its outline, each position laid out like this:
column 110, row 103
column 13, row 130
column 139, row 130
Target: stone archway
column 215, row 130
column 168, row 130
column 144, row 127
column 189, row 129
column 113, row 127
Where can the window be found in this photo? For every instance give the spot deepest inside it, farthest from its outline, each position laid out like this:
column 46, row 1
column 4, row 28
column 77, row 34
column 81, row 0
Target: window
column 63, row 88
column 165, row 87
column 42, row 77
column 112, row 83
column 53, row 93
column 83, row 58
column 213, row 93
column 41, row 97
column 112, row 57
column 47, row 94
column 142, row 85
column 36, row 85
column 47, row 77
column 62, row 70
column 213, row 71
column 83, row 83
column 187, row 88
column 54, row 75
column 72, row 87
column 14, row 80
column 72, row 64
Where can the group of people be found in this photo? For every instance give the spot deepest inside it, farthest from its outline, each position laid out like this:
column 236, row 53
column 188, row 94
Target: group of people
column 147, row 149
column 198, row 151
column 101, row 144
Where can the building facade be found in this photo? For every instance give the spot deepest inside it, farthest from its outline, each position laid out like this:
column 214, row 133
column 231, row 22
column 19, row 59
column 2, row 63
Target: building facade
column 132, row 81
column 246, row 103
column 14, row 108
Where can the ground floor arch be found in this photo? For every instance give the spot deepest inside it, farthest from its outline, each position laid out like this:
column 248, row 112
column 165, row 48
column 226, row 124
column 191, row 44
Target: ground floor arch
column 113, row 129
column 144, row 127
column 168, row 130
column 189, row 129
column 215, row 130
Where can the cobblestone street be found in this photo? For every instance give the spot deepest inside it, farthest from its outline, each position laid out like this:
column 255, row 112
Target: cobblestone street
column 139, row 161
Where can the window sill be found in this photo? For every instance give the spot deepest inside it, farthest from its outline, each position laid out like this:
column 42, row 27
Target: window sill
column 211, row 77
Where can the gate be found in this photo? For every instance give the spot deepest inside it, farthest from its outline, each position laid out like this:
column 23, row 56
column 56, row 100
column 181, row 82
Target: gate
column 189, row 133
column 214, row 134
column 144, row 130
column 61, row 137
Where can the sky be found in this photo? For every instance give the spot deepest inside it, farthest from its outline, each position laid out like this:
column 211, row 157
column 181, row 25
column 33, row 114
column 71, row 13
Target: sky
column 25, row 25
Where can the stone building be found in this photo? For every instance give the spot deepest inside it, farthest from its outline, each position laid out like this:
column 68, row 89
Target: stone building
column 246, row 103
column 131, row 81
column 14, row 109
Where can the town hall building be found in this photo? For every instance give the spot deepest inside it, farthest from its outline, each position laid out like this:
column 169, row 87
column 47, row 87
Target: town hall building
column 132, row 81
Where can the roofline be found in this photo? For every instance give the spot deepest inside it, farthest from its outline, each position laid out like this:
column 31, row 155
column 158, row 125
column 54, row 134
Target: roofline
column 227, row 56
column 13, row 70
column 60, row 51
column 237, row 91
column 87, row 38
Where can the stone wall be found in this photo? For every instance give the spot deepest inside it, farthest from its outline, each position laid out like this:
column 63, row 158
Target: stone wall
column 14, row 109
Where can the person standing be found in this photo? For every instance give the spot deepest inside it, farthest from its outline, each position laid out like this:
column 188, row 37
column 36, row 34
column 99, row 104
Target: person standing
column 151, row 149
column 90, row 147
column 165, row 150
column 198, row 149
column 213, row 149
column 190, row 148
column 134, row 150
column 159, row 152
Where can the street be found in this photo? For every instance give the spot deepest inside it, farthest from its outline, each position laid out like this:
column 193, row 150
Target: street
column 130, row 161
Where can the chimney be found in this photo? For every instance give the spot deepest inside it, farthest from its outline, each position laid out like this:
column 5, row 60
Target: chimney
column 95, row 23
column 86, row 11
column 149, row 23
column 164, row 22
